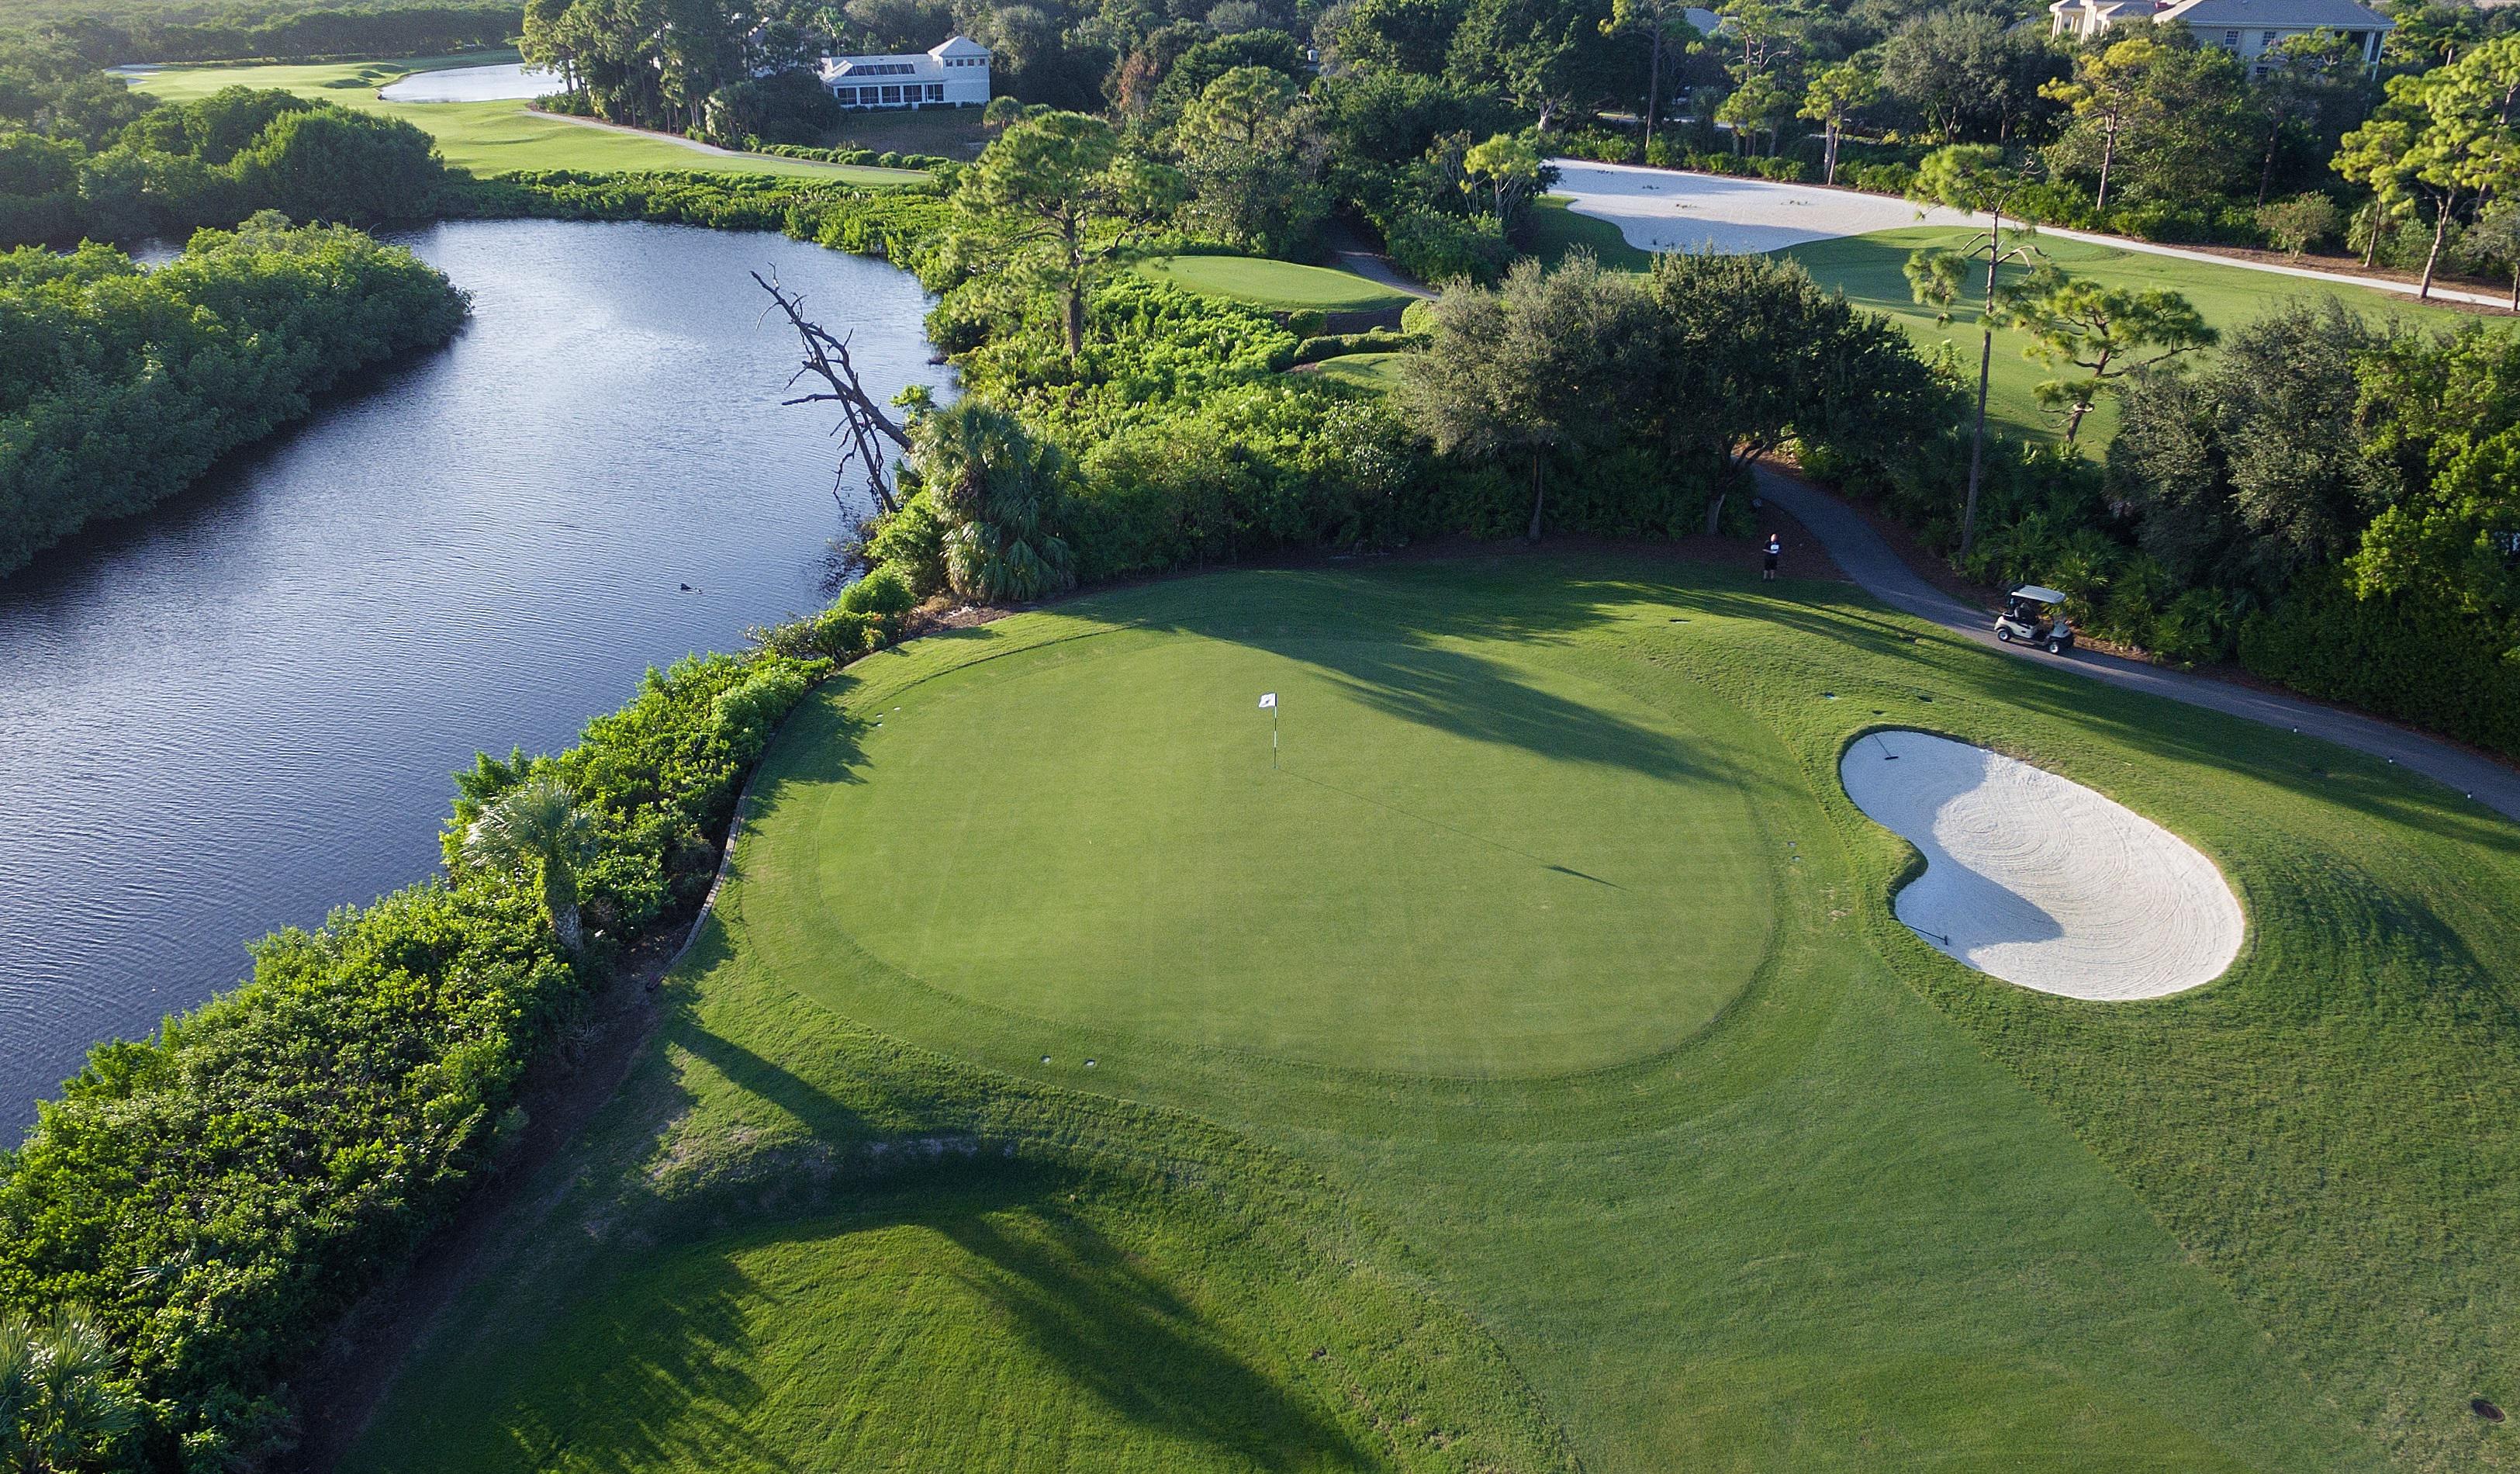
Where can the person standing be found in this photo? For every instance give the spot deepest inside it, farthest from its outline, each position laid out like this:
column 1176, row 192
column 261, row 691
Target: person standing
column 1776, row 551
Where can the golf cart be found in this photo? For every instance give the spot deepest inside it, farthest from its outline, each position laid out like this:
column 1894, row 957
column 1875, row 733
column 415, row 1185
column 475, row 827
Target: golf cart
column 2035, row 615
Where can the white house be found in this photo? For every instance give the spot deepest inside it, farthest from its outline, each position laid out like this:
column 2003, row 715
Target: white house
column 2246, row 29
column 952, row 74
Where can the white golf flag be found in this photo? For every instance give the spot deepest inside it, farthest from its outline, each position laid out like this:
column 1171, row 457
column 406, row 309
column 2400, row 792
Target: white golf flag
column 1269, row 702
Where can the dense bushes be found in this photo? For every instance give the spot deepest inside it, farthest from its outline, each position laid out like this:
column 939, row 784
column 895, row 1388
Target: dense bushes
column 118, row 387
column 178, row 167
column 219, row 1194
column 2430, row 663
column 107, row 32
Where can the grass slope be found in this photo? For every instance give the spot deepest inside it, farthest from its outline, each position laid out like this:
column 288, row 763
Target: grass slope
column 1380, row 372
column 1870, row 270
column 1880, row 1211
column 1281, row 286
column 495, row 137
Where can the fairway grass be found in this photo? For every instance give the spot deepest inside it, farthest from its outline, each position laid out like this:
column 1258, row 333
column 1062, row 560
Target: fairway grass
column 1279, row 286
column 1871, row 270
column 1863, row 1208
column 497, row 137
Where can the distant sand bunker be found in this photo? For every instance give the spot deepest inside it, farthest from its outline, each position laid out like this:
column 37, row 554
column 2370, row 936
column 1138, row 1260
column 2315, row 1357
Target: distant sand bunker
column 2039, row 880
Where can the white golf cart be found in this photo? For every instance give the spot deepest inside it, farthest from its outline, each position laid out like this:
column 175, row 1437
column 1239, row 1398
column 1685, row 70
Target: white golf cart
column 2036, row 615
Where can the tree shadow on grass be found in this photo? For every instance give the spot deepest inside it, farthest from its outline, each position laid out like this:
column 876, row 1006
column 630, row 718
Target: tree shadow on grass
column 1483, row 699
column 1388, row 642
column 642, row 1379
column 663, row 1357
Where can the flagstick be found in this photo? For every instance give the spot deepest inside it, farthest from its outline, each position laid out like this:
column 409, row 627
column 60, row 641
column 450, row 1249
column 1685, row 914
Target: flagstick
column 1272, row 736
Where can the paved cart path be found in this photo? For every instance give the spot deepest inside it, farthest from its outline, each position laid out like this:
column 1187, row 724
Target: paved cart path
column 1880, row 572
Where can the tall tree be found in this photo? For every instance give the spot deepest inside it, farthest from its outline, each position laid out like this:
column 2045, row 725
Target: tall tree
column 1505, row 168
column 2109, row 100
column 2247, row 473
column 1970, row 75
column 2096, row 335
column 1972, row 178
column 1836, row 96
column 1546, row 359
column 1253, row 149
column 1047, row 187
column 1549, row 56
column 1664, row 25
column 1753, row 353
column 2314, row 82
column 2445, row 136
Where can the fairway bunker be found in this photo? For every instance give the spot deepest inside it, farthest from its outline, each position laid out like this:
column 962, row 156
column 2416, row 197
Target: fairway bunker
column 2041, row 881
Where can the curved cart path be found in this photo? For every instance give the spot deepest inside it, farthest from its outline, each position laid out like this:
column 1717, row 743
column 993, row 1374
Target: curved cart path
column 1874, row 567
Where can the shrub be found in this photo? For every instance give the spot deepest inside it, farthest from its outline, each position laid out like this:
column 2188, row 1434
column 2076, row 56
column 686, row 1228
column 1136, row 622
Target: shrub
column 1439, row 248
column 913, row 541
column 318, row 1120
column 2292, row 226
column 2415, row 660
column 885, row 596
column 1341, row 345
column 150, row 377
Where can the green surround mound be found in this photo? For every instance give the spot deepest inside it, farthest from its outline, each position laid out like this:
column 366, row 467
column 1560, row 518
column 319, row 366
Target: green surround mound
column 1458, row 864
column 1282, row 285
column 999, row 1120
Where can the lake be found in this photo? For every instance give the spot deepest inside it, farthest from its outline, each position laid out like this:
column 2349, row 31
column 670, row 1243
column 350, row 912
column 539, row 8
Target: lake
column 241, row 710
column 473, row 84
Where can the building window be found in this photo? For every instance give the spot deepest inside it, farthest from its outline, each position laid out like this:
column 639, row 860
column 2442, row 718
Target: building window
column 2267, row 41
column 846, row 97
column 2231, row 38
column 935, row 92
column 892, row 94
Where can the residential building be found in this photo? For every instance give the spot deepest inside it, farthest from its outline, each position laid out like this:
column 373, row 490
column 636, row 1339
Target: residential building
column 955, row 74
column 2249, row 29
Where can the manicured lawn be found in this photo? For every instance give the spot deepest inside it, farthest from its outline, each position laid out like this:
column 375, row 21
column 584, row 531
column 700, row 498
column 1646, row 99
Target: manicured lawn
column 495, row 137
column 1871, row 270
column 1281, row 286
column 1061, row 1085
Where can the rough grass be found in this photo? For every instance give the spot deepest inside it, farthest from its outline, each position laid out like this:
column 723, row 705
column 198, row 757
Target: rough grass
column 1881, row 1212
column 1870, row 270
column 1281, row 286
column 495, row 137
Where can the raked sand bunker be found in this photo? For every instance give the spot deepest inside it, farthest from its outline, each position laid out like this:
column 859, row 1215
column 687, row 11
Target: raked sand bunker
column 2039, row 880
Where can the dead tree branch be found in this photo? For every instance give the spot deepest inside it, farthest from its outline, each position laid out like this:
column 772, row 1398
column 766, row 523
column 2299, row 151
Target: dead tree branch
column 865, row 422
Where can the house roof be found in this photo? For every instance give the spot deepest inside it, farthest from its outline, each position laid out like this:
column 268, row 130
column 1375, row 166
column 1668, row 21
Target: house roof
column 958, row 47
column 2279, row 15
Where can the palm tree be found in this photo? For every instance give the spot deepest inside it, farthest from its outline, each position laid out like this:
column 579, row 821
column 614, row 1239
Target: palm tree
column 538, row 821
column 1000, row 488
column 55, row 1405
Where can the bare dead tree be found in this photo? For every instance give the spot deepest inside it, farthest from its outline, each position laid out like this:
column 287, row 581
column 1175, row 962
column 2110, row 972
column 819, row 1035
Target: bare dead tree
column 864, row 421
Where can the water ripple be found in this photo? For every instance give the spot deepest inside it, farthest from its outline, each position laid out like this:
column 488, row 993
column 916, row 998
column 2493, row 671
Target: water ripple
column 240, row 711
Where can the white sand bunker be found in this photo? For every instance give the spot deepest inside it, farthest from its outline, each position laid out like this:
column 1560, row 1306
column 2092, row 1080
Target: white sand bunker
column 2038, row 879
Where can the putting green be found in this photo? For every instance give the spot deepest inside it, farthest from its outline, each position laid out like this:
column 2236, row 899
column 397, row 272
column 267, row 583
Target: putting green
column 1460, row 863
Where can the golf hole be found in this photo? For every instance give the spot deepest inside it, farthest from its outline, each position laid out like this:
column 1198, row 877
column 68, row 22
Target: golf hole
column 2037, row 880
column 2485, row 1410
